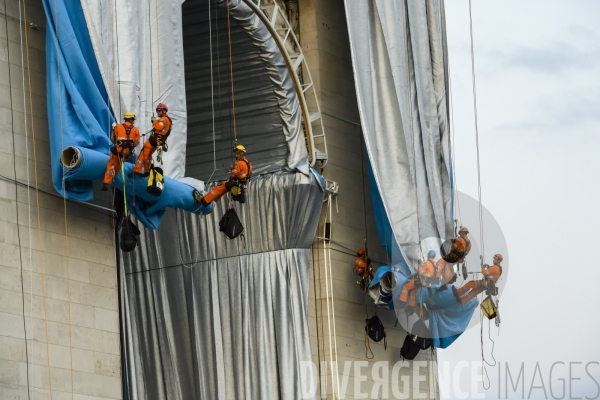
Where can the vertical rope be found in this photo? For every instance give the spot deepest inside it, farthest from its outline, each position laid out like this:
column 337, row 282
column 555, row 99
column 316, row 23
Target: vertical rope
column 37, row 197
column 482, row 257
column 14, row 148
column 157, row 50
column 212, row 91
column 412, row 132
column 60, row 100
column 231, row 73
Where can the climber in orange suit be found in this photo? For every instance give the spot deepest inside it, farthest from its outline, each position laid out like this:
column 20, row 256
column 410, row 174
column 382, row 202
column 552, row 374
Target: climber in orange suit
column 490, row 274
column 426, row 270
column 461, row 246
column 125, row 137
column 240, row 173
column 160, row 132
column 445, row 271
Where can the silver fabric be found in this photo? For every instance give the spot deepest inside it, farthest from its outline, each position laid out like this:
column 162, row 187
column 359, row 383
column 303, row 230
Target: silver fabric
column 141, row 69
column 211, row 318
column 140, row 56
column 266, row 104
column 390, row 40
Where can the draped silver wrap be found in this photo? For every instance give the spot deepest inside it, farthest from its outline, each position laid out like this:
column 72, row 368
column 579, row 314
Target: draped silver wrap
column 211, row 318
column 399, row 57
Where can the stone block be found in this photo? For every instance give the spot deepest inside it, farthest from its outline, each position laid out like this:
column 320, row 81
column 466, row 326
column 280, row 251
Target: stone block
column 103, row 275
column 12, row 349
column 11, row 302
column 82, row 315
column 97, row 385
column 84, row 360
column 10, row 279
column 107, row 320
column 107, row 364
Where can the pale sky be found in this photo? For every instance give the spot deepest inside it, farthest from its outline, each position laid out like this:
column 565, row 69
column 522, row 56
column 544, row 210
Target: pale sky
column 538, row 89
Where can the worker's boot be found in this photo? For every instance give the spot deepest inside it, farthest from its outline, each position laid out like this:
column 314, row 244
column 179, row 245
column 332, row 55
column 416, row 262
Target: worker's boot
column 104, row 187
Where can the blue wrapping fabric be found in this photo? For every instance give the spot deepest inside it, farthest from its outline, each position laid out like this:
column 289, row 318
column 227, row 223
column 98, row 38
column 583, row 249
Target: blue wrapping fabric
column 79, row 115
column 448, row 318
column 78, row 110
column 148, row 209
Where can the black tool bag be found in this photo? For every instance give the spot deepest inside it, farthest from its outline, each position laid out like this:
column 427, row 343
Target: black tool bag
column 409, row 349
column 421, row 335
column 231, row 225
column 419, row 339
column 376, row 330
column 128, row 235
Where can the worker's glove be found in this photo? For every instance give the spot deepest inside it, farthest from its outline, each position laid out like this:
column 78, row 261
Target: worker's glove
column 152, row 119
column 113, row 149
column 229, row 184
column 114, row 125
column 418, row 281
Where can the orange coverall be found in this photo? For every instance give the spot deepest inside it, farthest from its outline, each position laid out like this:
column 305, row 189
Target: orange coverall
column 239, row 172
column 409, row 290
column 492, row 273
column 126, row 137
column 444, row 271
column 461, row 246
column 162, row 129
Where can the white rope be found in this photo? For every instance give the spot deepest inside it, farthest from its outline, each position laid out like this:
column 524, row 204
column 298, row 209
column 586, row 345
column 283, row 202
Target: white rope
column 482, row 256
column 212, row 91
column 337, row 375
column 30, row 261
column 327, row 302
column 412, row 132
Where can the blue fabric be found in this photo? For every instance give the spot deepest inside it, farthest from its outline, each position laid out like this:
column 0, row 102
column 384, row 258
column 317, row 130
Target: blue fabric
column 78, row 110
column 384, row 228
column 148, row 209
column 448, row 318
column 79, row 115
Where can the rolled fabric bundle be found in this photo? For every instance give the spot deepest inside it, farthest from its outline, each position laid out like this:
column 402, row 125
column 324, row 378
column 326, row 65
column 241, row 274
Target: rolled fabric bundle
column 82, row 166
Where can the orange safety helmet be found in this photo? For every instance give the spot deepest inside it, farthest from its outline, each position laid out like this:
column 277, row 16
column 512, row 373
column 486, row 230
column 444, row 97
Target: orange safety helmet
column 161, row 106
column 360, row 265
column 360, row 252
column 463, row 229
column 499, row 257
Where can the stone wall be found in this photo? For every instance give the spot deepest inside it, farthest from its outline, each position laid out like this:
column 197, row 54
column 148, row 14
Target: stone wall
column 45, row 342
column 324, row 40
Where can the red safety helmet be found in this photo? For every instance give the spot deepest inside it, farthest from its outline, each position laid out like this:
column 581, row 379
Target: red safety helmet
column 161, row 106
column 360, row 252
column 499, row 257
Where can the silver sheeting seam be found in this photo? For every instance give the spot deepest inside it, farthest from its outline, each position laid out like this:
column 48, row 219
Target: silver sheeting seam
column 139, row 49
column 267, row 112
column 211, row 318
column 389, row 40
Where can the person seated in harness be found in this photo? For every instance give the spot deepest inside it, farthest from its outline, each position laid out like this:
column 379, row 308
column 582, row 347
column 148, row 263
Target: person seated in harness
column 410, row 288
column 491, row 274
column 160, row 132
column 363, row 269
column 125, row 137
column 460, row 247
column 240, row 174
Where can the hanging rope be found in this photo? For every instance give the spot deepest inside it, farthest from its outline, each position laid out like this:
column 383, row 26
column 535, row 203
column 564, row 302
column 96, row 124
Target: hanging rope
column 231, row 73
column 456, row 196
column 68, row 277
column 157, row 51
column 482, row 256
column 412, row 133
column 212, row 91
column 14, row 148
column 37, row 197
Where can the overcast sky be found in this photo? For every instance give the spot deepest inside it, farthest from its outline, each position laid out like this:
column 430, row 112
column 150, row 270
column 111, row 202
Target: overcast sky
column 538, row 88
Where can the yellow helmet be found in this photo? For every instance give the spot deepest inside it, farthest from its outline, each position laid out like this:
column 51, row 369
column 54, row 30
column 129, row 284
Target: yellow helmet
column 240, row 148
column 129, row 115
